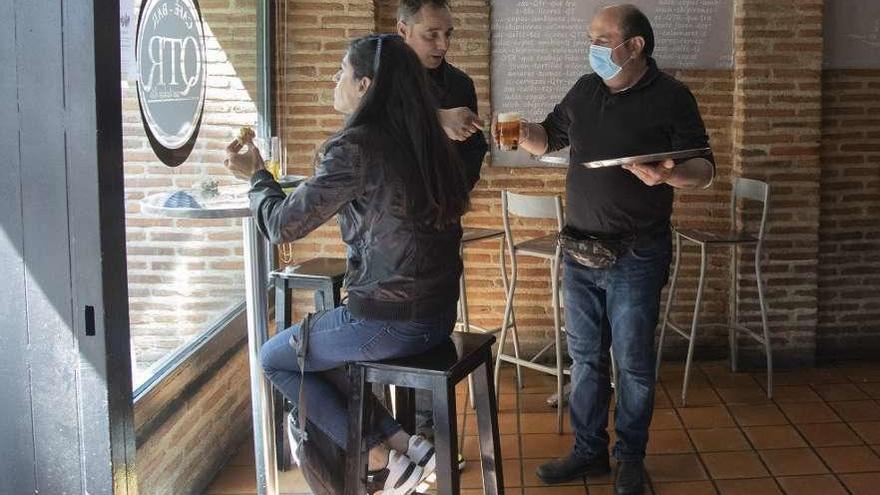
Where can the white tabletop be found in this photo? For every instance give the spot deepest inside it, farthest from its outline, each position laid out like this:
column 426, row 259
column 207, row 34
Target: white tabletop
column 231, row 202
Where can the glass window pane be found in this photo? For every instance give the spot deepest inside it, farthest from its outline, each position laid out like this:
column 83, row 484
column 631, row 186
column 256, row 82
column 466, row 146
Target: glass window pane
column 184, row 274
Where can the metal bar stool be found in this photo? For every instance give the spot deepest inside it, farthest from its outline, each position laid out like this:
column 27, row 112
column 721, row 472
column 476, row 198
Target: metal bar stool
column 742, row 189
column 545, row 247
column 323, row 276
column 437, row 370
column 472, row 235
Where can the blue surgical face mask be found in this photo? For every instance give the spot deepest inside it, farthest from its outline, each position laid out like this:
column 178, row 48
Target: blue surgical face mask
column 602, row 63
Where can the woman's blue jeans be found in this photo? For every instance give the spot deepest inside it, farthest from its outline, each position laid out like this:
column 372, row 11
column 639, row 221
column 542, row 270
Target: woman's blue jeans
column 337, row 338
column 616, row 306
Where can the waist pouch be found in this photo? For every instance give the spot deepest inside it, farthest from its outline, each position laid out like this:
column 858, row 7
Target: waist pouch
column 591, row 251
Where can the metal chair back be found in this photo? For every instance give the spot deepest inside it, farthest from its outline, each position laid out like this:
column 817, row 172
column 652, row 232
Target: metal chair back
column 754, row 190
column 529, row 206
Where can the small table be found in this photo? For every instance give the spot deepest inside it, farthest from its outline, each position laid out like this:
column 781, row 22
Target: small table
column 232, row 202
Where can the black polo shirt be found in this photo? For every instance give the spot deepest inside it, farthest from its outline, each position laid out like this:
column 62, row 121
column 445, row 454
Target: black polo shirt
column 657, row 114
column 453, row 88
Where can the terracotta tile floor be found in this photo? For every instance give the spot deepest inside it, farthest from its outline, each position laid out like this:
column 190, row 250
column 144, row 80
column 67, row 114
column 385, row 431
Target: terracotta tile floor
column 819, row 435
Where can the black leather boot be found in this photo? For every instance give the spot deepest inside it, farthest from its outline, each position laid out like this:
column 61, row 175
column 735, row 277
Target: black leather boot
column 573, row 467
column 630, row 478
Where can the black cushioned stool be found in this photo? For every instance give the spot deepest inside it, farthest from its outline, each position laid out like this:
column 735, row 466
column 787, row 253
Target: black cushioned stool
column 324, row 276
column 438, row 370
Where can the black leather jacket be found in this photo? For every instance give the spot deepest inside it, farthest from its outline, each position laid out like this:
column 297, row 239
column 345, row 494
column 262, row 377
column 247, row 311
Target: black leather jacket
column 398, row 269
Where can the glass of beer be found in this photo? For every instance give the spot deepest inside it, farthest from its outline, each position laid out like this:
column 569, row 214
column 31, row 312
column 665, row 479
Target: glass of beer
column 508, row 127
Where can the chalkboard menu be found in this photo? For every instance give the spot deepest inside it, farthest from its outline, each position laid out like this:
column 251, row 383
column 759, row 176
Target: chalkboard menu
column 539, row 49
column 852, row 34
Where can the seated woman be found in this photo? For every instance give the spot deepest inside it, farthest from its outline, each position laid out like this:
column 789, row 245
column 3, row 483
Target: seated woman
column 398, row 191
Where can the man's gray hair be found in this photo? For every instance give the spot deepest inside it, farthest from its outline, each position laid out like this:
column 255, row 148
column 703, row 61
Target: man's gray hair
column 409, row 9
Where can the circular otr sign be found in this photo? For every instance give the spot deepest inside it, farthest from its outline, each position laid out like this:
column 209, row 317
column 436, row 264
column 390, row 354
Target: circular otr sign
column 170, row 53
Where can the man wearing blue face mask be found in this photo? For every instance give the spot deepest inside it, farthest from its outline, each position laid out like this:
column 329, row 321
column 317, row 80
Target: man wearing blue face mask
column 626, row 107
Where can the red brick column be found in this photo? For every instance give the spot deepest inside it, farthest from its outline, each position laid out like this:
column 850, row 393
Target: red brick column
column 776, row 138
column 849, row 257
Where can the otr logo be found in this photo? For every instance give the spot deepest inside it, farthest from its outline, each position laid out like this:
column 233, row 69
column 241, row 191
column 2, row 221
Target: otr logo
column 175, row 51
column 172, row 73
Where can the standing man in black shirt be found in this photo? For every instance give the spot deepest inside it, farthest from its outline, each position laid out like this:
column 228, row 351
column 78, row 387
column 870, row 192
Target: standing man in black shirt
column 426, row 26
column 626, row 107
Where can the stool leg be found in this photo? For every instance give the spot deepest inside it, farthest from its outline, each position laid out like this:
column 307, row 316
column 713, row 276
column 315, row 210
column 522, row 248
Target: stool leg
column 283, row 305
column 693, row 340
column 462, row 297
column 560, row 376
column 508, row 308
column 515, row 334
column 283, row 319
column 733, row 316
column 669, row 298
column 463, row 312
column 767, row 347
column 283, row 455
column 337, row 293
column 487, row 427
column 405, row 410
column 505, row 283
column 446, row 437
column 321, row 299
column 329, row 294
column 355, row 457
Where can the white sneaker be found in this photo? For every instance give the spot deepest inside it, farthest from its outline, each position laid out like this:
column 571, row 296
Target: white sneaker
column 421, row 451
column 400, row 477
column 294, row 437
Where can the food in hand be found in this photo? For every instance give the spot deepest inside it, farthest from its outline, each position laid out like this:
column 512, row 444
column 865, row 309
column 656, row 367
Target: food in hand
column 245, row 135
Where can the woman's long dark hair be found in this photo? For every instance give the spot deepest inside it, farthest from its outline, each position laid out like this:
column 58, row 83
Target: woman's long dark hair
column 399, row 103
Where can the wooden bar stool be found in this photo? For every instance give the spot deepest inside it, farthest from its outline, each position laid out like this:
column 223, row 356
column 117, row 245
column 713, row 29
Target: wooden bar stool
column 437, row 370
column 323, row 276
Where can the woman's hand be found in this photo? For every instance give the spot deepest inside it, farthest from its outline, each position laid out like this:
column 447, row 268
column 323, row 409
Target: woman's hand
column 243, row 165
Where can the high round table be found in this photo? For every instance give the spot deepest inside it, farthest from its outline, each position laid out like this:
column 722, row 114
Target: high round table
column 232, row 202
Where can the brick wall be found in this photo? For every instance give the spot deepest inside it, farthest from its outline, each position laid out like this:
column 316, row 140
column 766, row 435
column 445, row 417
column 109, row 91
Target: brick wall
column 183, row 273
column 184, row 453
column 849, row 230
column 764, row 120
column 777, row 114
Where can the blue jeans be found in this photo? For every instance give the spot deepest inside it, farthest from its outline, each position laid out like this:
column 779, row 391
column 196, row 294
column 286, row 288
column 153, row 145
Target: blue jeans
column 616, row 306
column 337, row 338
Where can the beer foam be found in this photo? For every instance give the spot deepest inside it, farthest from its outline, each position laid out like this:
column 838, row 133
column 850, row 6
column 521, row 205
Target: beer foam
column 508, row 117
